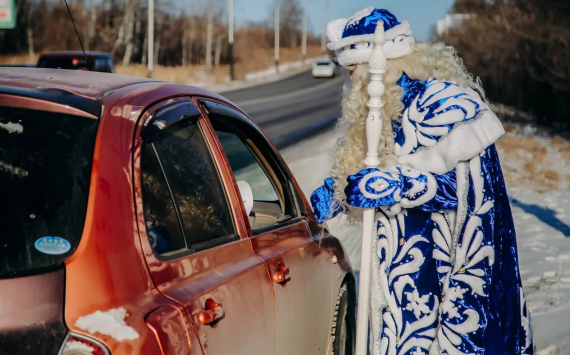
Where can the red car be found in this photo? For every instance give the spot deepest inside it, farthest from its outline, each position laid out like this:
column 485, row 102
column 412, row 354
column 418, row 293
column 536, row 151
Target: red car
column 75, row 60
column 144, row 217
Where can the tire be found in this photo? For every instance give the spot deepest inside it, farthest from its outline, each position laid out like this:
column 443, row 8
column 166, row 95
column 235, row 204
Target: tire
column 344, row 324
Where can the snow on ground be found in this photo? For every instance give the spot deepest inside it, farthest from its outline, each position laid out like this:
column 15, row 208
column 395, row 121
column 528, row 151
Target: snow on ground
column 276, row 70
column 256, row 78
column 537, row 171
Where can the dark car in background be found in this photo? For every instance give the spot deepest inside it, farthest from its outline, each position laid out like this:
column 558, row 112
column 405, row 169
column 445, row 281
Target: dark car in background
column 75, row 60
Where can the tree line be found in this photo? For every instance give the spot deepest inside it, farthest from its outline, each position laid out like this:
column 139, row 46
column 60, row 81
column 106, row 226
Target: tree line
column 195, row 34
column 521, row 51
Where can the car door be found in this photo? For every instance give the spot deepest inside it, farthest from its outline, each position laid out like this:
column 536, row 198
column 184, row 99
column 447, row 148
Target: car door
column 299, row 269
column 193, row 235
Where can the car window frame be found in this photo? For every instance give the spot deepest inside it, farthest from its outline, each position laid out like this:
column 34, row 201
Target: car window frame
column 233, row 113
column 231, row 200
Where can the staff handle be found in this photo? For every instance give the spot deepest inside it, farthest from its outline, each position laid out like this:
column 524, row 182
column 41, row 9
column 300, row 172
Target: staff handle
column 376, row 90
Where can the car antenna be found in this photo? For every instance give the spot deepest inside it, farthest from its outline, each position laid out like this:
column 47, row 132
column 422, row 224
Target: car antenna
column 77, row 33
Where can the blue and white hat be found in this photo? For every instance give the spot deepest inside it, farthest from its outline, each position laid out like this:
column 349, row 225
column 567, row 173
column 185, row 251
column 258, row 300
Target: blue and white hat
column 352, row 38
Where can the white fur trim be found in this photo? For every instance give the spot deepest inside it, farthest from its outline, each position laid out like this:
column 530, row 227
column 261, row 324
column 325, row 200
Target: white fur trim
column 352, row 56
column 335, row 29
column 337, row 42
column 360, row 15
column 461, row 144
column 362, row 55
column 399, row 43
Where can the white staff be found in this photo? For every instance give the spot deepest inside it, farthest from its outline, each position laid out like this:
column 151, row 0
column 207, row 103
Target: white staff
column 376, row 89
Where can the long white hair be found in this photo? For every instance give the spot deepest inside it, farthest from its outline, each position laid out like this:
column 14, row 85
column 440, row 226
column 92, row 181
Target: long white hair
column 429, row 60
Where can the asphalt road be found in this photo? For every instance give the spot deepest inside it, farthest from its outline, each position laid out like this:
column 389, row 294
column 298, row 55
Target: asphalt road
column 294, row 108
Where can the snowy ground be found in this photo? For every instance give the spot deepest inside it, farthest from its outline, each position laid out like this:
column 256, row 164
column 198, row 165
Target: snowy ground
column 257, row 78
column 537, row 171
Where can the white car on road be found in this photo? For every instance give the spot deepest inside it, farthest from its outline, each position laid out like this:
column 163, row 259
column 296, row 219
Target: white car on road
column 324, row 68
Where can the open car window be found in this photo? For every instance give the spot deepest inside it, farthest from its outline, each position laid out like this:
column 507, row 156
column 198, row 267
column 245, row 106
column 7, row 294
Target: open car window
column 253, row 162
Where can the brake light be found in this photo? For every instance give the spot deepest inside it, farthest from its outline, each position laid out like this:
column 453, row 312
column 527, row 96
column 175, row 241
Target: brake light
column 74, row 61
column 76, row 344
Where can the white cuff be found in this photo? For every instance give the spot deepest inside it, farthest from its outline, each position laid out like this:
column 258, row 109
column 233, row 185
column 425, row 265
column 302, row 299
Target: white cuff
column 463, row 143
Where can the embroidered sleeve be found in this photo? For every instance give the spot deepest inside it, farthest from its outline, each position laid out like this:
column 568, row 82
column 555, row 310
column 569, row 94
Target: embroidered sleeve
column 402, row 188
column 322, row 200
column 443, row 125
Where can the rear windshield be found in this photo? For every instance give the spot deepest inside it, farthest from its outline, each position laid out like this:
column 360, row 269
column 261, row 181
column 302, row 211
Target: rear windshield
column 45, row 169
column 64, row 63
column 324, row 63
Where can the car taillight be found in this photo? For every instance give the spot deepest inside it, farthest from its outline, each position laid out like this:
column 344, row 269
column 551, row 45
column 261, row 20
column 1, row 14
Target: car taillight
column 76, row 344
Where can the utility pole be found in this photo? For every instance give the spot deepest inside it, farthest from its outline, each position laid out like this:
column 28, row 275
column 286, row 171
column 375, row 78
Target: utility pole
column 277, row 38
column 323, row 35
column 335, row 9
column 209, row 33
column 304, row 45
column 150, row 43
column 231, row 37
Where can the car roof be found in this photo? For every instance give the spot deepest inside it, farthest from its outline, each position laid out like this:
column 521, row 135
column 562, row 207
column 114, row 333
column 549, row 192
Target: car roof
column 84, row 83
column 85, row 90
column 74, row 54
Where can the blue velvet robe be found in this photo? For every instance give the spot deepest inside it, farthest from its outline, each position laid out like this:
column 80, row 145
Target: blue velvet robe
column 446, row 275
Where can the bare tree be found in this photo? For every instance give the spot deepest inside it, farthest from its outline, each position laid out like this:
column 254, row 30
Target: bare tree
column 30, row 35
column 129, row 21
column 520, row 50
column 209, row 33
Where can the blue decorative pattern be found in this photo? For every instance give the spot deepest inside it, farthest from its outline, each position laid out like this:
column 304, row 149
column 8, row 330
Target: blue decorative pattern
column 433, row 108
column 372, row 188
column 322, row 200
column 446, row 277
column 367, row 24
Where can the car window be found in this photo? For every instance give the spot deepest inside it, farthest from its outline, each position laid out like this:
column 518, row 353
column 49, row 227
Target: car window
column 246, row 168
column 104, row 64
column 110, row 65
column 45, row 172
column 161, row 217
column 191, row 192
column 251, row 161
column 78, row 63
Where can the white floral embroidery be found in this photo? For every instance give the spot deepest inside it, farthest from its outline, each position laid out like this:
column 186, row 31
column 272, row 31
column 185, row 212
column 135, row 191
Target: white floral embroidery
column 399, row 337
column 417, row 304
column 392, row 184
column 461, row 104
column 448, row 305
column 469, row 253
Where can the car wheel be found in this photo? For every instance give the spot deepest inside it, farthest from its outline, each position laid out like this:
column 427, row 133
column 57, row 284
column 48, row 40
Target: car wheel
column 344, row 324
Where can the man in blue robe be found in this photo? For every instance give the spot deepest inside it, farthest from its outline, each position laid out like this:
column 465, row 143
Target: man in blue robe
column 445, row 268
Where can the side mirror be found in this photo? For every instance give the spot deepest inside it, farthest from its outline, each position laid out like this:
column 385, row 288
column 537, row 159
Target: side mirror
column 246, row 195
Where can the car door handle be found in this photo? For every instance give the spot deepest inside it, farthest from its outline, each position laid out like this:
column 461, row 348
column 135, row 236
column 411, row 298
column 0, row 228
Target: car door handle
column 212, row 312
column 281, row 276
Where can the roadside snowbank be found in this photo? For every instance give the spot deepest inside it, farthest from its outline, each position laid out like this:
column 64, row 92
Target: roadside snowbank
column 279, row 69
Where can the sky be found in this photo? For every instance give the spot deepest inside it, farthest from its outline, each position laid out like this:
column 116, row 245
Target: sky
column 421, row 14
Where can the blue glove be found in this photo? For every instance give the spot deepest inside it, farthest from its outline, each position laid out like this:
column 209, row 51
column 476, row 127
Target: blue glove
column 322, row 202
column 371, row 188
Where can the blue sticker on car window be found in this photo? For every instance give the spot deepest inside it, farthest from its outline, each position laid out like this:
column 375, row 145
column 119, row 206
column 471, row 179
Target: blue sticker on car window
column 52, row 245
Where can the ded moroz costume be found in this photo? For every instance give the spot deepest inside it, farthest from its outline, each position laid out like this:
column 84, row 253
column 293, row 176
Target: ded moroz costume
column 445, row 265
